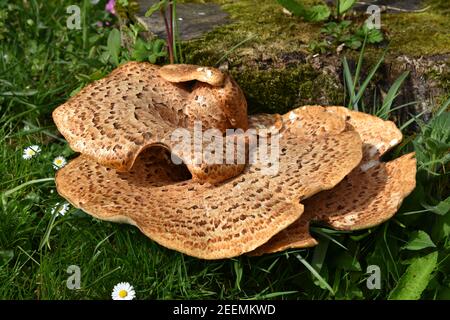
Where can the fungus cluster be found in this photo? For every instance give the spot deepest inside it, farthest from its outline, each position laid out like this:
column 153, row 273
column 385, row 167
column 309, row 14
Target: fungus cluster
column 329, row 167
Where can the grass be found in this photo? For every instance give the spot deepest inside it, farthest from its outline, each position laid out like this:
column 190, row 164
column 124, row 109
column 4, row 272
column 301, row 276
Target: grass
column 41, row 64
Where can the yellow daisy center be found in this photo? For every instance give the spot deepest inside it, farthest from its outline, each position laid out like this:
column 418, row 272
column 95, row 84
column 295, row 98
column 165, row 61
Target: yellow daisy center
column 123, row 293
column 58, row 161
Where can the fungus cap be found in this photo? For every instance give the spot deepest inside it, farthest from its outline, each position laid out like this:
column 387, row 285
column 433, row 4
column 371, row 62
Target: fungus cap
column 212, row 221
column 113, row 119
column 189, row 72
column 371, row 194
column 378, row 135
column 123, row 125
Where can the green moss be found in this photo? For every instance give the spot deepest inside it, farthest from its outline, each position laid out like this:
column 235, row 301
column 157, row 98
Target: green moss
column 271, row 32
column 443, row 6
column 273, row 90
column 271, row 66
column 125, row 12
column 443, row 79
column 417, row 34
column 260, row 64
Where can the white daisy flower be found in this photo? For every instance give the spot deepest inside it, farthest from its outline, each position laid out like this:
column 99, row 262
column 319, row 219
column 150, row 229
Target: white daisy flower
column 60, row 208
column 59, row 162
column 31, row 151
column 123, row 291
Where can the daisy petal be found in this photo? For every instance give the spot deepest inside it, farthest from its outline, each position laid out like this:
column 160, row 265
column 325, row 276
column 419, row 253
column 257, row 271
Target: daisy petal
column 123, row 291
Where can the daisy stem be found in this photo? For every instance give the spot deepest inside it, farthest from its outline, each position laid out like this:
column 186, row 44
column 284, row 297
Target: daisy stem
column 46, row 237
column 23, row 185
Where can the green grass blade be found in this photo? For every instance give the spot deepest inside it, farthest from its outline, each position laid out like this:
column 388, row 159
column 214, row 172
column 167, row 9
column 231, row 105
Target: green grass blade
column 7, row 193
column 366, row 82
column 226, row 54
column 275, row 294
column 413, row 119
column 327, row 236
column 416, row 278
column 360, row 63
column 315, row 273
column 320, row 252
column 443, row 108
column 393, row 92
column 348, row 79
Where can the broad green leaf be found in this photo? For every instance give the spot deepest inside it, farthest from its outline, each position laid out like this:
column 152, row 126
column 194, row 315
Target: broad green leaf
column 113, row 46
column 419, row 240
column 416, row 278
column 158, row 46
column 123, row 3
column 374, row 36
column 294, row 7
column 152, row 58
column 353, row 43
column 140, row 51
column 441, row 228
column 345, row 5
column 317, row 13
column 314, row 13
column 442, row 208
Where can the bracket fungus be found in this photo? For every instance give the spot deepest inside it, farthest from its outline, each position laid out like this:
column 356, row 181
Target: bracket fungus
column 113, row 119
column 123, row 127
column 368, row 196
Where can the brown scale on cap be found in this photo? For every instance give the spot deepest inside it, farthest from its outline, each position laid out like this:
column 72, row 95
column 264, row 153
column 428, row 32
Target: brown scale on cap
column 212, row 221
column 113, row 119
column 368, row 196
